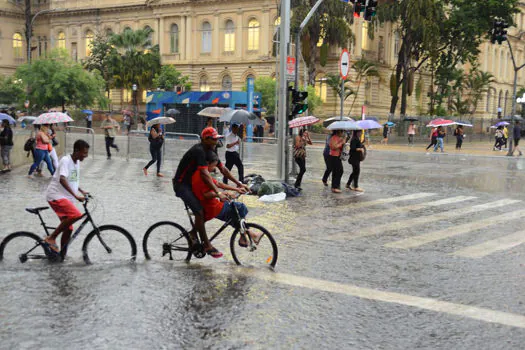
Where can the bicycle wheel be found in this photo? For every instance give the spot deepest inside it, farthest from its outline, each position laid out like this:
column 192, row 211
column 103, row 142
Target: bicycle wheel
column 166, row 240
column 113, row 244
column 23, row 247
column 265, row 254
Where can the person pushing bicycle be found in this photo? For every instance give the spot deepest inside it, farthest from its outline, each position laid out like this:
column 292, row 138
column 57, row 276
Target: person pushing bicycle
column 194, row 160
column 63, row 191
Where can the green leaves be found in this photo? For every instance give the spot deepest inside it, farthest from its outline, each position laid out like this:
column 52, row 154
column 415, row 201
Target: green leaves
column 169, row 78
column 11, row 91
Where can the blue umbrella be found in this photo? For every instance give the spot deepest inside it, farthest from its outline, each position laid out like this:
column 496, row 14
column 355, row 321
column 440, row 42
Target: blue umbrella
column 344, row 125
column 87, row 111
column 389, row 124
column 7, row 117
column 368, row 124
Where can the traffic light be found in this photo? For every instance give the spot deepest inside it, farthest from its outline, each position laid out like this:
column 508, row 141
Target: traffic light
column 298, row 104
column 498, row 32
column 370, row 10
column 359, row 6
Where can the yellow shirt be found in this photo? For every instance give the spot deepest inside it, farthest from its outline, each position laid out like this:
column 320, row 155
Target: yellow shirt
column 505, row 132
column 362, row 139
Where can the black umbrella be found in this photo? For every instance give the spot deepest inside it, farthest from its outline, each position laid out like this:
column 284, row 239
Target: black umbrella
column 510, row 118
column 172, row 111
column 410, row 119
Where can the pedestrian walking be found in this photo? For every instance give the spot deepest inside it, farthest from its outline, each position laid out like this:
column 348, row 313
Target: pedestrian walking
column 459, row 133
column 141, row 125
column 326, row 156
column 498, row 143
column 336, row 146
column 440, row 135
column 386, row 131
column 43, row 144
column 299, row 155
column 6, row 144
column 156, row 140
column 505, row 135
column 233, row 143
column 52, row 152
column 516, row 134
column 127, row 123
column 110, row 127
column 356, row 151
column 89, row 121
column 411, row 133
column 433, row 138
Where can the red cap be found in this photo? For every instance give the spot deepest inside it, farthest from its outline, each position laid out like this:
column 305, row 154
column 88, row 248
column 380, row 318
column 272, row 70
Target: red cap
column 210, row 132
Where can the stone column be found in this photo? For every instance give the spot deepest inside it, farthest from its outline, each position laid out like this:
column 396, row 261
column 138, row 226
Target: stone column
column 215, row 48
column 182, row 38
column 358, row 30
column 161, row 35
column 189, row 34
column 239, row 34
column 266, row 32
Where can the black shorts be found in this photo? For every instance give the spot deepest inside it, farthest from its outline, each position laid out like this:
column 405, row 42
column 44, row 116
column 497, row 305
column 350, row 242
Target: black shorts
column 516, row 142
column 184, row 192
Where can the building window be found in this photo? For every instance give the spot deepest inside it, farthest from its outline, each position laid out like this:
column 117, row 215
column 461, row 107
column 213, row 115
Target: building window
column 226, row 82
column 396, row 43
column 61, row 40
column 45, row 46
column 203, row 84
column 206, row 37
column 17, row 45
column 149, row 41
column 74, row 52
column 505, row 106
column 253, row 35
column 40, row 46
column 109, row 32
column 89, row 42
column 229, row 36
column 320, row 86
column 174, row 38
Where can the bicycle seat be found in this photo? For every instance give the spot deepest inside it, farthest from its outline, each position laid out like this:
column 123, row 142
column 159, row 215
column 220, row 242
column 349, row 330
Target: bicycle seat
column 36, row 210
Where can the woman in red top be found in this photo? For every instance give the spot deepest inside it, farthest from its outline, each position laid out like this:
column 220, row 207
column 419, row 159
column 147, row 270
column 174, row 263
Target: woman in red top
column 336, row 146
column 43, row 144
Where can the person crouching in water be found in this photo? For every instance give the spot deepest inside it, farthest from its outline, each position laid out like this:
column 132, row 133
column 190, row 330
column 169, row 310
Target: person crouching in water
column 356, row 151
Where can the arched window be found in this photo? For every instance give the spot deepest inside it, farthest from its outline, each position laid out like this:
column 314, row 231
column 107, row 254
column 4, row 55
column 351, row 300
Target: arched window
column 499, row 101
column 89, row 42
column 226, row 82
column 206, row 37
column 229, row 36
column 203, row 84
column 61, row 40
column 489, row 96
column 109, row 32
column 396, row 43
column 149, row 41
column 505, row 105
column 320, row 86
column 174, row 38
column 17, row 45
column 253, row 34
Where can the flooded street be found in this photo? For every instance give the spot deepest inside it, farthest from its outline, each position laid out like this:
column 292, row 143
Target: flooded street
column 430, row 256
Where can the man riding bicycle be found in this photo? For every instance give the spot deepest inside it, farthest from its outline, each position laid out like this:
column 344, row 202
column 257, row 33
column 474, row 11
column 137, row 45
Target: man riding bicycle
column 194, row 160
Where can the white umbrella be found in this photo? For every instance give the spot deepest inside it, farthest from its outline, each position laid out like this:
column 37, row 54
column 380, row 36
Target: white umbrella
column 160, row 120
column 344, row 125
column 239, row 116
column 53, row 118
column 214, row 112
column 27, row 119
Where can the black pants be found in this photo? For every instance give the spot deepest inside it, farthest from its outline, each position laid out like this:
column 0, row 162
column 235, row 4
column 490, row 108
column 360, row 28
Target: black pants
column 302, row 169
column 459, row 142
column 410, row 139
column 233, row 158
column 337, row 171
column 156, row 156
column 328, row 170
column 110, row 143
column 432, row 142
column 356, row 170
column 89, row 123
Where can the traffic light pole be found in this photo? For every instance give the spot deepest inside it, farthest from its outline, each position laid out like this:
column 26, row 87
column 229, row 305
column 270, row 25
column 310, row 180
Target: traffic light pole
column 283, row 154
column 516, row 70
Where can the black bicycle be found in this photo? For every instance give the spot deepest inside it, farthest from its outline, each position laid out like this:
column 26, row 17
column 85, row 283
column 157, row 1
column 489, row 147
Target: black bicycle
column 168, row 240
column 112, row 243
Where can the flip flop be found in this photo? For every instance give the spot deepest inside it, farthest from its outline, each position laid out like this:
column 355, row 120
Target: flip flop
column 51, row 246
column 256, row 241
column 214, row 253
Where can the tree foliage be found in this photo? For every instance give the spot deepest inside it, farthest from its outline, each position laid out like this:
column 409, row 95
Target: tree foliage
column 169, row 77
column 104, row 59
column 59, row 81
column 11, row 91
column 266, row 86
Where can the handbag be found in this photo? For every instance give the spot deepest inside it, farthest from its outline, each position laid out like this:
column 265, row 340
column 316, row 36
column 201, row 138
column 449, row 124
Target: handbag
column 299, row 152
column 54, row 142
column 345, row 152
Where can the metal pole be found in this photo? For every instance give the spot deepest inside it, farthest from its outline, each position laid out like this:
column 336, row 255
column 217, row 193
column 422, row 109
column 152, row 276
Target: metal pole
column 342, row 99
column 283, row 90
column 511, row 131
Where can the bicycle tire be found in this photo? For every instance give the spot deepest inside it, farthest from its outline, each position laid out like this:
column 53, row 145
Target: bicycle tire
column 35, row 239
column 266, row 253
column 166, row 232
column 125, row 254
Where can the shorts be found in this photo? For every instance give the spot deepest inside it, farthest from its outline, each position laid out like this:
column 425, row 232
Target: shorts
column 65, row 210
column 227, row 213
column 184, row 192
column 516, row 142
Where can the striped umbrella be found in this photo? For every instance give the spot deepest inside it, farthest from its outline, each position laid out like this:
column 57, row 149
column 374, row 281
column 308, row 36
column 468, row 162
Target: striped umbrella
column 302, row 121
column 53, row 118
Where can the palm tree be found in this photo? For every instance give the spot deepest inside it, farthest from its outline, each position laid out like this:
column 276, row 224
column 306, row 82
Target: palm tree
column 479, row 83
column 364, row 70
column 334, row 81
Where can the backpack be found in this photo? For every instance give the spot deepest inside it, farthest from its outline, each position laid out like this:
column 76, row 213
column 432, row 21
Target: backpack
column 30, row 144
column 345, row 152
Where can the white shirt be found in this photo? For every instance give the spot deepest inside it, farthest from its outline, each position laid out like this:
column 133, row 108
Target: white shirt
column 71, row 171
column 231, row 138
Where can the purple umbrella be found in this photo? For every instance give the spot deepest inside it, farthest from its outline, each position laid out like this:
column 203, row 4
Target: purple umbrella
column 501, row 124
column 7, row 117
column 368, row 124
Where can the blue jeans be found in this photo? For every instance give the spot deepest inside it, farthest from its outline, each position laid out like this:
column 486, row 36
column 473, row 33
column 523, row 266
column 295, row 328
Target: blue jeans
column 439, row 144
column 42, row 155
column 227, row 213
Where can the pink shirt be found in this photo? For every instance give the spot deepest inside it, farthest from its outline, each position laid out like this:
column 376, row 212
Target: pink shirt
column 411, row 129
column 39, row 144
column 335, row 152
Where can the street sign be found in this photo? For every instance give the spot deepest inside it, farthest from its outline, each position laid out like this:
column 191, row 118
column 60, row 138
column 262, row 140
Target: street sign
column 290, row 68
column 344, row 64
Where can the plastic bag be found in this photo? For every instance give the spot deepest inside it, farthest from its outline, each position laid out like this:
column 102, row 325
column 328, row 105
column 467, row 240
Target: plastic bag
column 272, row 198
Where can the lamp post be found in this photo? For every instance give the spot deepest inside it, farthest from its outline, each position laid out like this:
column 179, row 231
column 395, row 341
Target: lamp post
column 29, row 29
column 135, row 106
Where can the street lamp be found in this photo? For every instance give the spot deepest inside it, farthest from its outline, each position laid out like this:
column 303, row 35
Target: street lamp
column 29, row 29
column 135, row 106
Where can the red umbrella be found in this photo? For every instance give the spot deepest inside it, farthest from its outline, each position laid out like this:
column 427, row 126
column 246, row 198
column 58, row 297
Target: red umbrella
column 302, row 121
column 440, row 122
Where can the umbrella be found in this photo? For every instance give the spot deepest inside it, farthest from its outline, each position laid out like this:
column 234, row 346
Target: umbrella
column 390, row 124
column 172, row 111
column 258, row 122
column 410, row 119
column 372, row 118
column 87, row 111
column 463, row 123
column 302, row 121
column 53, row 118
column 440, row 122
column 344, row 125
column 368, row 124
column 329, row 121
column 214, row 112
column 160, row 120
column 238, row 116
column 28, row 119
column 497, row 125
column 7, row 117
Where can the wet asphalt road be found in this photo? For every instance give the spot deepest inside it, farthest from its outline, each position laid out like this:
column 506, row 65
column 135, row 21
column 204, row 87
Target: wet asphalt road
column 348, row 275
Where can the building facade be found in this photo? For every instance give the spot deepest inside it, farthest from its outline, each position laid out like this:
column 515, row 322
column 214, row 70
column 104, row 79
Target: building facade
column 220, row 43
